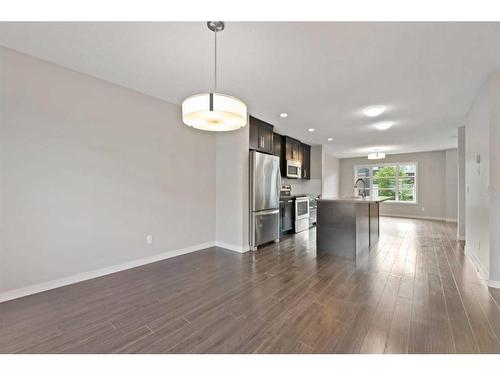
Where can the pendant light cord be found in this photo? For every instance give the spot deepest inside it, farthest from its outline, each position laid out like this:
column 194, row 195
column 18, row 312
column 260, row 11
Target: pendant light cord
column 215, row 65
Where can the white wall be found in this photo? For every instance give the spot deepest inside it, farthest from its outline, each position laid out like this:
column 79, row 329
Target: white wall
column 88, row 169
column 477, row 133
column 232, row 169
column 494, row 182
column 431, row 180
column 461, row 184
column 331, row 176
column 451, row 184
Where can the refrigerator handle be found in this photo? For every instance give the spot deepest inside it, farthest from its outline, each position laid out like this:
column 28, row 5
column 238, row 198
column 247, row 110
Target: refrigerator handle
column 262, row 213
column 278, row 180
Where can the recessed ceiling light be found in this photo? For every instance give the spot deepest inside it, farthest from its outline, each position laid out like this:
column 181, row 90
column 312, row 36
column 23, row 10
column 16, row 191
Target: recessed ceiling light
column 374, row 111
column 311, row 129
column 384, row 125
column 330, row 139
column 376, row 155
column 283, row 115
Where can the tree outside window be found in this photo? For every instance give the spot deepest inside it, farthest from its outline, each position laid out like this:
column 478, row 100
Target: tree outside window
column 394, row 181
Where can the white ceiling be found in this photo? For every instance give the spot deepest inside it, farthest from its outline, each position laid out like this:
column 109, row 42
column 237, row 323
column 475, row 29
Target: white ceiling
column 321, row 74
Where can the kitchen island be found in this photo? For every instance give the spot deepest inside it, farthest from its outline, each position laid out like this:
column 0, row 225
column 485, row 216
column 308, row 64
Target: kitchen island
column 347, row 227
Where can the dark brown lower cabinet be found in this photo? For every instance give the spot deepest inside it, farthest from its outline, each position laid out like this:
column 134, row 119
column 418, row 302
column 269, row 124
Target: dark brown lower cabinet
column 286, row 215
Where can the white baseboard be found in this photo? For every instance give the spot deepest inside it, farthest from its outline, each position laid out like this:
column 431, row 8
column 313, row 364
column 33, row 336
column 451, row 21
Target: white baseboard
column 415, row 217
column 494, row 284
column 451, row 220
column 41, row 287
column 238, row 249
column 477, row 263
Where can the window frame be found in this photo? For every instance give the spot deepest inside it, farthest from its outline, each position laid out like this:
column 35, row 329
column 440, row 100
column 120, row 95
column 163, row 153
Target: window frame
column 396, row 182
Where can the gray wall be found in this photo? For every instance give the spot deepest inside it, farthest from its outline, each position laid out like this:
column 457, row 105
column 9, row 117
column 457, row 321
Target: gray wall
column 431, row 180
column 451, row 184
column 88, row 169
column 331, row 176
column 316, row 162
column 477, row 179
column 232, row 165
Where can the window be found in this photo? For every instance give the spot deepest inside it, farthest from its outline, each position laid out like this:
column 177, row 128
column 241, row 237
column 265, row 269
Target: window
column 396, row 181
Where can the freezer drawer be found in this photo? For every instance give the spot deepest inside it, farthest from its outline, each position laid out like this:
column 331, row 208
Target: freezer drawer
column 265, row 227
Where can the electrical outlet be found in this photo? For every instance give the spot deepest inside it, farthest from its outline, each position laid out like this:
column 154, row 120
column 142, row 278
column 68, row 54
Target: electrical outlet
column 149, row 239
column 423, row 208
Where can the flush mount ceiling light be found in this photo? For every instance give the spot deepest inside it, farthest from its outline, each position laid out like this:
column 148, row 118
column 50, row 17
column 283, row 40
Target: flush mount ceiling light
column 283, row 115
column 374, row 111
column 214, row 111
column 376, row 155
column 330, row 139
column 311, row 129
column 384, row 125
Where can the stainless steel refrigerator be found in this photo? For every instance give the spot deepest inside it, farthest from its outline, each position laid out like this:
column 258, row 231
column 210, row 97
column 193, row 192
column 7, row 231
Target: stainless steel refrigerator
column 265, row 183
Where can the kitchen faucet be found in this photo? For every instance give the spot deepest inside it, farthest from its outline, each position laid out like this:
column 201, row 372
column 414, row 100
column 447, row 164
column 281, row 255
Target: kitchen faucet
column 363, row 193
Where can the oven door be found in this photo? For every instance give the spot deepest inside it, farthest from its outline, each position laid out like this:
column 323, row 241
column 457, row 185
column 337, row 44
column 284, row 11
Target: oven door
column 293, row 169
column 301, row 208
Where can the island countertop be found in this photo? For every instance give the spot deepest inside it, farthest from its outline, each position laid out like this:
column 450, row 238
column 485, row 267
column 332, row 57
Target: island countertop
column 355, row 199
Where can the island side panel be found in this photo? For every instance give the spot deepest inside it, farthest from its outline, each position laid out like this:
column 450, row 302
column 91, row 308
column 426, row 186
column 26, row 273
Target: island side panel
column 362, row 229
column 374, row 223
column 336, row 229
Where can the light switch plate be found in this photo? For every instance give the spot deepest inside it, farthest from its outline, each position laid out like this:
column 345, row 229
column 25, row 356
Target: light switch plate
column 149, row 239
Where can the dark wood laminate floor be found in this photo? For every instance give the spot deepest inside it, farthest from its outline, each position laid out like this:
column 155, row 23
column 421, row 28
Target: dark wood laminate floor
column 417, row 293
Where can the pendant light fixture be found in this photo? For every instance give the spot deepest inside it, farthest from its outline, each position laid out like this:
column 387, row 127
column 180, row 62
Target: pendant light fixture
column 214, row 111
column 376, row 155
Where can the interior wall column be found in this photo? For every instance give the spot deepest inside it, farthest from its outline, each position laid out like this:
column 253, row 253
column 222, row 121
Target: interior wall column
column 461, row 184
column 494, row 183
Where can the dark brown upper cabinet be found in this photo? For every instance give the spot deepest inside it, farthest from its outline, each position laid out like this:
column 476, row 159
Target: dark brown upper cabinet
column 306, row 161
column 292, row 148
column 261, row 136
column 277, row 144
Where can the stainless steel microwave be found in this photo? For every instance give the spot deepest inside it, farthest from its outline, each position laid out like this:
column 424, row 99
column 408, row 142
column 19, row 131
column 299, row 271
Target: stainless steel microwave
column 293, row 169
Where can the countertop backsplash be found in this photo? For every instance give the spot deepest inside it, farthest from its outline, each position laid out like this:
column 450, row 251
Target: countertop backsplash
column 312, row 186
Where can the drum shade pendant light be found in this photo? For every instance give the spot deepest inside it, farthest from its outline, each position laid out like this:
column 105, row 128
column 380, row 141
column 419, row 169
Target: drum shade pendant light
column 376, row 156
column 214, row 111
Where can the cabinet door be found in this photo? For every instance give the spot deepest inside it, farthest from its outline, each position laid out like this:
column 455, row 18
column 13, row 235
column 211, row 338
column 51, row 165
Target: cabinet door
column 292, row 149
column 301, row 157
column 254, row 134
column 296, row 149
column 288, row 148
column 277, row 144
column 266, row 138
column 261, row 136
column 306, row 161
column 288, row 215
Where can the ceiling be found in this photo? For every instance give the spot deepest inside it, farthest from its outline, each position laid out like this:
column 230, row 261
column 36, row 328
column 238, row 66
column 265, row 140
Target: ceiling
column 322, row 74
